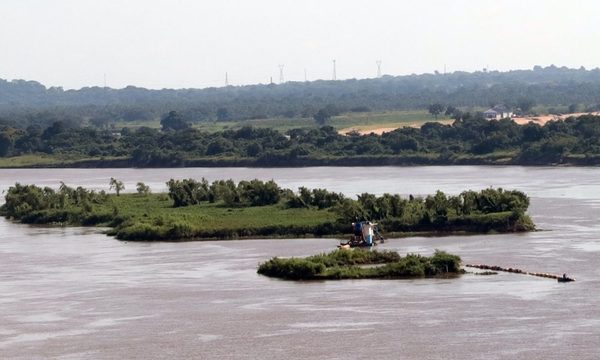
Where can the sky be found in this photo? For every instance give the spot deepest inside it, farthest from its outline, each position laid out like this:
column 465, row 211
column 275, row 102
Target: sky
column 194, row 43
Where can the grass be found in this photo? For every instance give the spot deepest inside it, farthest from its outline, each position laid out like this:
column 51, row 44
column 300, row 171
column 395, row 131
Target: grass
column 138, row 124
column 361, row 264
column 343, row 122
column 48, row 160
column 211, row 216
column 153, row 217
column 392, row 119
column 35, row 159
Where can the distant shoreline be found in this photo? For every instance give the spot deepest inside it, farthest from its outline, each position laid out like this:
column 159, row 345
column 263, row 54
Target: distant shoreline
column 368, row 161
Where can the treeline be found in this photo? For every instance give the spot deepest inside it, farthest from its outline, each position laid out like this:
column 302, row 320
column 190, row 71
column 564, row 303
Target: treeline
column 470, row 139
column 36, row 205
column 484, row 211
column 434, row 209
column 246, row 193
column 24, row 103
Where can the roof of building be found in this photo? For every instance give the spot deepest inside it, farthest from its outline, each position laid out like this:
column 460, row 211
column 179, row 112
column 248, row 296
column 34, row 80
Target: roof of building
column 498, row 109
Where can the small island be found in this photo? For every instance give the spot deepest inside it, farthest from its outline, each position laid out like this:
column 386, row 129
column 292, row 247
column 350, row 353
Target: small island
column 223, row 209
column 362, row 264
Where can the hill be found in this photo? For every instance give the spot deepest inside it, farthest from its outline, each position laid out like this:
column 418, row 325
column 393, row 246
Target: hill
column 26, row 102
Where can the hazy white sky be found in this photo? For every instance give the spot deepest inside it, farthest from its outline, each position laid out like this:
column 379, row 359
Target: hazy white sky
column 186, row 43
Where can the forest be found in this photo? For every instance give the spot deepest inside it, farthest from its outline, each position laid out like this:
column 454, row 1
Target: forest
column 24, row 103
column 470, row 139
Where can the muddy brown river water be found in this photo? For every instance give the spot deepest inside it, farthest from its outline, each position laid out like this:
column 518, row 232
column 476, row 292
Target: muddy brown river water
column 74, row 293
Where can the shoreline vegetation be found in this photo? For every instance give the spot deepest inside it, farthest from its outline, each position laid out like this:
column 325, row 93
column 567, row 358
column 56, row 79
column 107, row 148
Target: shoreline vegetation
column 223, row 209
column 58, row 162
column 362, row 264
column 469, row 140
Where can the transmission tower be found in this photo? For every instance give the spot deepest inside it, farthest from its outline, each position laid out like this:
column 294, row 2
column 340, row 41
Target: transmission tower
column 281, row 79
column 378, row 62
column 226, row 79
column 334, row 77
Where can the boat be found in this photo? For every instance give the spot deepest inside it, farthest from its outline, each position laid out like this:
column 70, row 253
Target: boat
column 365, row 235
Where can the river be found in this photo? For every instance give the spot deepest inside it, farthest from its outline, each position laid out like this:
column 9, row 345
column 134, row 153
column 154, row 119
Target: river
column 74, row 293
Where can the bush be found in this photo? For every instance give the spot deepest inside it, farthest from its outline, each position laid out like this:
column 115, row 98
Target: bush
column 443, row 262
column 188, row 191
column 344, row 264
column 180, row 231
column 293, row 269
column 141, row 232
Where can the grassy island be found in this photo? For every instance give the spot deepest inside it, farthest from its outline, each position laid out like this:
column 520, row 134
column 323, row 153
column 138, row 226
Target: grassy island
column 361, row 264
column 196, row 210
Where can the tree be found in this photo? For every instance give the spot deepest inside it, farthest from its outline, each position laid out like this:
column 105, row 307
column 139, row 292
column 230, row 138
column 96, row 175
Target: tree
column 188, row 191
column 322, row 116
column 100, row 122
column 173, row 121
column 117, row 185
column 56, row 128
column 436, row 109
column 222, row 114
column 573, row 108
column 450, row 110
column 5, row 144
column 525, row 104
column 142, row 188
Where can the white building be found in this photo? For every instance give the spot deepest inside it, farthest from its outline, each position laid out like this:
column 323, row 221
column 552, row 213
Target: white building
column 498, row 112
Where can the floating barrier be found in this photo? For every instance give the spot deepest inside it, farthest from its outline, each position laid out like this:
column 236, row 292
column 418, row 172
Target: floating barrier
column 559, row 278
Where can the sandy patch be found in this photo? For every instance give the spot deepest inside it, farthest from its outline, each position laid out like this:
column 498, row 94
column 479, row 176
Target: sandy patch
column 543, row 119
column 380, row 129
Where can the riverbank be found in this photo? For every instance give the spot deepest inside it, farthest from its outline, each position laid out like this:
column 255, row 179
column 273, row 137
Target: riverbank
column 501, row 159
column 361, row 264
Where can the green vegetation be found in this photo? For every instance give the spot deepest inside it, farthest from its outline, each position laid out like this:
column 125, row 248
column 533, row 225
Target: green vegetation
column 30, row 103
column 344, row 122
column 226, row 210
column 469, row 140
column 117, row 185
column 361, row 264
column 142, row 189
column 299, row 124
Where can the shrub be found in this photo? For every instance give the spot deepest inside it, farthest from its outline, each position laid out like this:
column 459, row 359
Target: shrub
column 180, row 231
column 345, row 264
column 443, row 262
column 293, row 269
column 142, row 188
